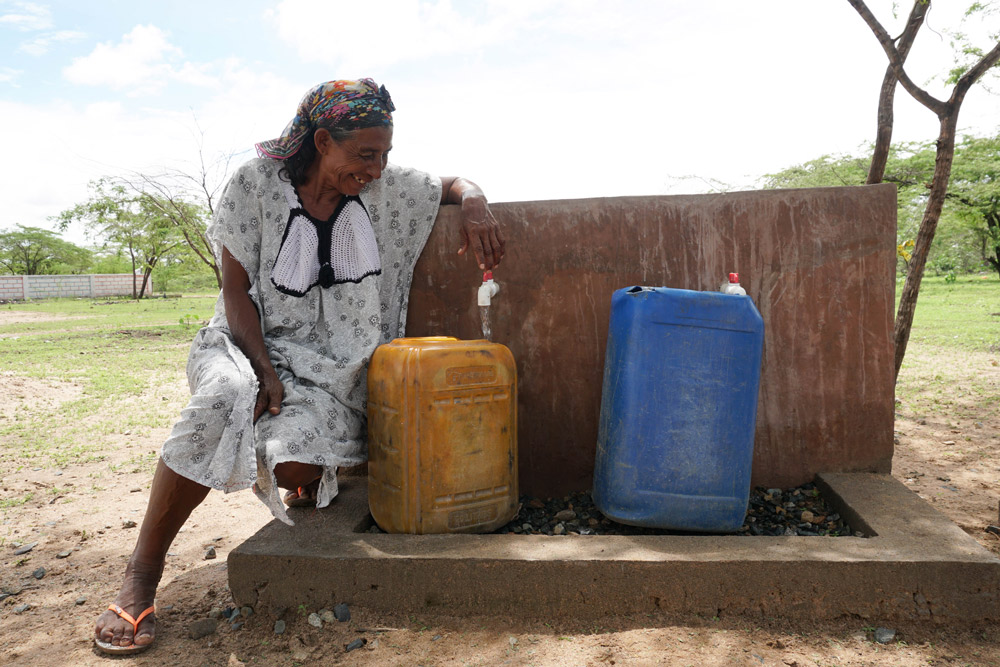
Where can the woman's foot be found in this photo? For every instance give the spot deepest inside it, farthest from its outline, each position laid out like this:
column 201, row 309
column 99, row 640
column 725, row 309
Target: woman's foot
column 303, row 496
column 136, row 595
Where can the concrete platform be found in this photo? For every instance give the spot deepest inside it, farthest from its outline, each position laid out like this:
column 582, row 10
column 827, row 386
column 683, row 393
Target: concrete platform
column 915, row 565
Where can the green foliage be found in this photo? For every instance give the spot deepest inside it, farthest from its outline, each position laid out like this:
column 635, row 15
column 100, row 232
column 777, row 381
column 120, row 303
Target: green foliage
column 132, row 223
column 968, row 233
column 35, row 251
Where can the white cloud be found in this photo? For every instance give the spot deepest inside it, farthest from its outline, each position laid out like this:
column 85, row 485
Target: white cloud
column 8, row 75
column 364, row 35
column 40, row 45
column 143, row 62
column 120, row 135
column 25, row 16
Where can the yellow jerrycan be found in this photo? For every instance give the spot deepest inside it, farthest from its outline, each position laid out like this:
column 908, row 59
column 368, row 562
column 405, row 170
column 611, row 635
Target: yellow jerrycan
column 442, row 436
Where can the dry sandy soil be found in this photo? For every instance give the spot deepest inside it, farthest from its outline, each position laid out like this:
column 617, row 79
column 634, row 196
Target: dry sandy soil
column 88, row 510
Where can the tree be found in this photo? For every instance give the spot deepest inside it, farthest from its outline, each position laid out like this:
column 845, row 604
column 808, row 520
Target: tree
column 33, row 251
column 187, row 199
column 975, row 193
column 134, row 223
column 963, row 77
column 968, row 230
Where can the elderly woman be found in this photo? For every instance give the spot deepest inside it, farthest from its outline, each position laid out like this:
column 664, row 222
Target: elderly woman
column 318, row 239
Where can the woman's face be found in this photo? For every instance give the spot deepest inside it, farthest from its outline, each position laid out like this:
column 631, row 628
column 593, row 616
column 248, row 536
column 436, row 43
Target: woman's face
column 349, row 165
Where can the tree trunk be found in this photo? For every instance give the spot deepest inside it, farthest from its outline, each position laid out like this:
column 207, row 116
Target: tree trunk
column 947, row 113
column 887, row 96
column 131, row 254
column 928, row 226
column 992, row 239
column 145, row 281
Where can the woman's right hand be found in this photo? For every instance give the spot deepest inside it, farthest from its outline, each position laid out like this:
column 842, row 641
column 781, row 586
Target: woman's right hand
column 270, row 391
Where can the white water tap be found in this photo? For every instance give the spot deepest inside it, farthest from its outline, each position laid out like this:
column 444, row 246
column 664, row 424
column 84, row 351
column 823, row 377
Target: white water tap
column 488, row 289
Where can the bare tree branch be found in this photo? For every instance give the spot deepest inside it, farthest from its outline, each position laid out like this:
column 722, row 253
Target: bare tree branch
column 896, row 62
column 887, row 96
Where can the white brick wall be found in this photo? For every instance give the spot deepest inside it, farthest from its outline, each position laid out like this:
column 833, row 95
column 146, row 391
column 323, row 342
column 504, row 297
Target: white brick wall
column 18, row 288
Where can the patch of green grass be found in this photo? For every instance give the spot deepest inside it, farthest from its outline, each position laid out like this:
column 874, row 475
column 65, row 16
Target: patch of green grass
column 961, row 314
column 6, row 503
column 950, row 365
column 86, row 314
column 145, row 463
column 112, row 360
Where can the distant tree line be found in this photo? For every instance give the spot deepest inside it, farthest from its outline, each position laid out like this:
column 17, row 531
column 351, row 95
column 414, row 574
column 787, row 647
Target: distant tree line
column 967, row 239
column 141, row 223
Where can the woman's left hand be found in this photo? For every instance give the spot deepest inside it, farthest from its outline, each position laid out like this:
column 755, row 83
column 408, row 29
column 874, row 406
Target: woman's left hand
column 479, row 230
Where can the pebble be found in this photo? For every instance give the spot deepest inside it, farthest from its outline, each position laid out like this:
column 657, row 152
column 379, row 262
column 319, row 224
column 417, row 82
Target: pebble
column 20, row 551
column 128, row 524
column 81, row 600
column 39, row 573
column 315, row 620
column 342, row 612
column 565, row 515
column 233, row 660
column 799, row 511
column 202, row 628
column 245, row 612
column 279, row 627
column 357, row 643
column 327, row 616
column 215, row 613
column 210, row 553
column 884, row 635
column 237, row 625
column 21, row 608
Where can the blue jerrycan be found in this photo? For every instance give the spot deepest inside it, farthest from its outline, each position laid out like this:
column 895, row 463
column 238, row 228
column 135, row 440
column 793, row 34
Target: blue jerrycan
column 678, row 409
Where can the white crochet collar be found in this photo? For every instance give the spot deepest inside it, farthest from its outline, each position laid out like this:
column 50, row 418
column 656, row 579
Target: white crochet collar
column 324, row 252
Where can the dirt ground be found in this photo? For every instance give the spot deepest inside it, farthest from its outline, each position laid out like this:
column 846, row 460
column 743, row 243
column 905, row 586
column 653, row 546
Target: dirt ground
column 81, row 518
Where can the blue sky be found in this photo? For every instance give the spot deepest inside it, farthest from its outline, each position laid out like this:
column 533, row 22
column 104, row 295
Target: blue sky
column 533, row 99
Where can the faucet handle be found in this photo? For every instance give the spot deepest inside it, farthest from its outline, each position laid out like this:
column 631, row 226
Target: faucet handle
column 488, row 275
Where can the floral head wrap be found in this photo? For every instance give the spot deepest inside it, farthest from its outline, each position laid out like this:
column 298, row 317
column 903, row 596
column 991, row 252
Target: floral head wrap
column 346, row 103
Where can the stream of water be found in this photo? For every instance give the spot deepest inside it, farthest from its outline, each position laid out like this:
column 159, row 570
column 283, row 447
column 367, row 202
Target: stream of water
column 484, row 314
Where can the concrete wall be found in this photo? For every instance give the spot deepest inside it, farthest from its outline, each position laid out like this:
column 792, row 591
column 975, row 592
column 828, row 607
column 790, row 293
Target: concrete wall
column 19, row 288
column 818, row 264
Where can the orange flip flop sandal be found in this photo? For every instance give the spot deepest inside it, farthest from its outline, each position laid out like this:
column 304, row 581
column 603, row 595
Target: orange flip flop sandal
column 131, row 648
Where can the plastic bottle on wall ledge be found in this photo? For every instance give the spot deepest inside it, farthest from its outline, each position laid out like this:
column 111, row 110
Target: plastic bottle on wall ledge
column 733, row 286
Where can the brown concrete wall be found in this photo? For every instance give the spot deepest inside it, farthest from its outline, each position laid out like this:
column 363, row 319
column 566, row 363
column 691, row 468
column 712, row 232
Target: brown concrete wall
column 818, row 264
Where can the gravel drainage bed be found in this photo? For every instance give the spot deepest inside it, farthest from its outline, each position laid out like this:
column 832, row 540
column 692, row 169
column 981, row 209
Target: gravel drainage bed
column 774, row 512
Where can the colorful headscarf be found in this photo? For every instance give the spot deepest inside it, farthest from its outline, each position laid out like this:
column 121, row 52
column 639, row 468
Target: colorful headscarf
column 360, row 103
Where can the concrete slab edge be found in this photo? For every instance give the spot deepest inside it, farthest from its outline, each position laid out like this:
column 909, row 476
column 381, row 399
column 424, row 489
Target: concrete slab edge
column 917, row 566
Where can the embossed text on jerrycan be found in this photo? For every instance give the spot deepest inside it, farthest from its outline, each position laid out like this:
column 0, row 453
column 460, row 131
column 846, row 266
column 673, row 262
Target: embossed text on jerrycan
column 442, row 436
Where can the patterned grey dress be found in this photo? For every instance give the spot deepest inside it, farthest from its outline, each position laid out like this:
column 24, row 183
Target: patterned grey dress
column 319, row 343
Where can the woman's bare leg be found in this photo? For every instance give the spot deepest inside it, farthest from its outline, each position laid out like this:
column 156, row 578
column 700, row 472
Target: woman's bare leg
column 171, row 501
